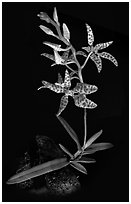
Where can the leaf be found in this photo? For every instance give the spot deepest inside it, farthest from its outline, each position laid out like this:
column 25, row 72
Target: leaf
column 47, row 30
column 38, row 170
column 66, row 32
column 67, row 80
column 96, row 58
column 108, row 56
column 97, row 147
column 55, row 17
column 65, row 150
column 48, row 56
column 92, row 139
column 78, row 166
column 63, row 104
column 44, row 16
column 86, row 160
column 70, row 131
column 90, row 35
column 101, row 46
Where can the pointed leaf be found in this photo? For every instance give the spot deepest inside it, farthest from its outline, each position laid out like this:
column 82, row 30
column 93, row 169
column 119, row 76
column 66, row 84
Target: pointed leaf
column 65, row 150
column 63, row 104
column 55, row 17
column 47, row 30
column 109, row 57
column 97, row 147
column 38, row 170
column 90, row 35
column 66, row 32
column 70, row 131
column 101, row 46
column 92, row 139
column 78, row 166
column 86, row 160
column 67, row 80
column 48, row 56
column 96, row 58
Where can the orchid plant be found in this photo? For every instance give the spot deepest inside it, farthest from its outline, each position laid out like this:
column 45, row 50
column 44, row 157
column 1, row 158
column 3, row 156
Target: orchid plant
column 65, row 57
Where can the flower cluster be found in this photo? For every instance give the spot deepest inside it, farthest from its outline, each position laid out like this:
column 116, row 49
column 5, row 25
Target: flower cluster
column 78, row 93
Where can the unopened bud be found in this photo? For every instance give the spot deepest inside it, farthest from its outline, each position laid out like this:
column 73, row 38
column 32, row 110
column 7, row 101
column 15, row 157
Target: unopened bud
column 44, row 16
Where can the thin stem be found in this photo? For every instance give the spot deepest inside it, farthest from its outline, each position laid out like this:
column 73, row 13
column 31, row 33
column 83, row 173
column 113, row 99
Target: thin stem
column 75, row 72
column 85, row 126
column 86, row 60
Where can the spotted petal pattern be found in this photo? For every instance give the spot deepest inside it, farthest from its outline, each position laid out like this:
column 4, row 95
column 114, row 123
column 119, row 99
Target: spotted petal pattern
column 53, row 87
column 60, row 80
column 96, row 58
column 90, row 35
column 83, row 88
column 109, row 57
column 63, row 104
column 67, row 80
column 82, row 102
column 102, row 46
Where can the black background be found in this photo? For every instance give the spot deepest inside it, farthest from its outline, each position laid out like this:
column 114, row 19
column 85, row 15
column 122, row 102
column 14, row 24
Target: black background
column 28, row 112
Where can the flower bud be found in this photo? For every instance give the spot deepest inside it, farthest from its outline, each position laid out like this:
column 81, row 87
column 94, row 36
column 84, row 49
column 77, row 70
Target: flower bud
column 44, row 16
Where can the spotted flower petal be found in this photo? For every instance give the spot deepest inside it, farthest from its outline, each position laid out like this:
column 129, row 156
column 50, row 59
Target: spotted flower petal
column 96, row 58
column 90, row 35
column 84, row 88
column 67, row 80
column 102, row 46
column 108, row 56
column 52, row 87
column 82, row 102
column 63, row 104
column 60, row 80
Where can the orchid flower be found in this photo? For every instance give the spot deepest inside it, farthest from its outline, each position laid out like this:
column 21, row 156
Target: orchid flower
column 81, row 90
column 94, row 55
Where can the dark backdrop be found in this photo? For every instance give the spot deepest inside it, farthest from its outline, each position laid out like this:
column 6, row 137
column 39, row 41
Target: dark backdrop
column 27, row 112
